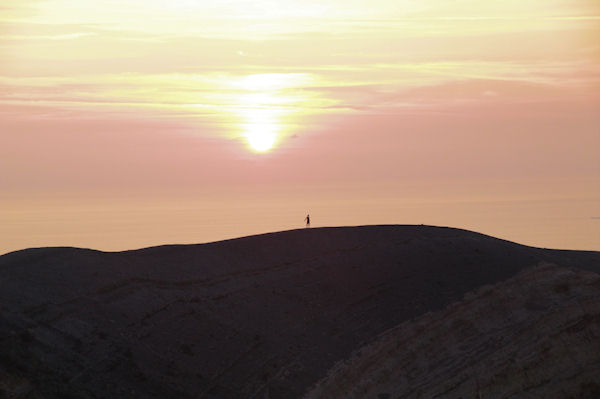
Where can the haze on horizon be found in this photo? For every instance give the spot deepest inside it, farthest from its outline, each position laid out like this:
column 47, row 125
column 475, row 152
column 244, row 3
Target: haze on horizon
column 138, row 123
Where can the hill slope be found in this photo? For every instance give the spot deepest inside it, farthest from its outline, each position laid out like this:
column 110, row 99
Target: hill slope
column 255, row 317
column 535, row 335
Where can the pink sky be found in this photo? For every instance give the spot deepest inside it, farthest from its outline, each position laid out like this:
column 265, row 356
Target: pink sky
column 129, row 124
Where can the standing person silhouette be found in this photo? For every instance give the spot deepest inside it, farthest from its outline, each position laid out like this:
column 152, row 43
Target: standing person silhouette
column 307, row 218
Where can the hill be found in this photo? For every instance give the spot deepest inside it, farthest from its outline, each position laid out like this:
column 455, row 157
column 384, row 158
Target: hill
column 535, row 335
column 257, row 317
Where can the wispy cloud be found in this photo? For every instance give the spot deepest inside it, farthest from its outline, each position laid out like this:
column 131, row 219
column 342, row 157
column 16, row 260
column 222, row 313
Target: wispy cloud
column 66, row 36
column 192, row 57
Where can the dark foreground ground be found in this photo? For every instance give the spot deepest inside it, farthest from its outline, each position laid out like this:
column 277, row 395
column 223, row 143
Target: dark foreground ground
column 257, row 317
column 535, row 335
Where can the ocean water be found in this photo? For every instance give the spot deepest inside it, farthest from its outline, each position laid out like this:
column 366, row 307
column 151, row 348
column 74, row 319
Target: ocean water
column 120, row 224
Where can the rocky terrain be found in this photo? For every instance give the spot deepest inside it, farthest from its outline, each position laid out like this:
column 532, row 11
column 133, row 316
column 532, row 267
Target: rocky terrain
column 535, row 335
column 257, row 317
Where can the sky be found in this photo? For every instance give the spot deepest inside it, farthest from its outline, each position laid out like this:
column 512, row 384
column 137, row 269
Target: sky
column 126, row 124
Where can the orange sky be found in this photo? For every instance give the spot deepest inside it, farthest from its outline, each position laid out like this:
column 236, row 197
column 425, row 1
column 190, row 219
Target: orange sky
column 136, row 123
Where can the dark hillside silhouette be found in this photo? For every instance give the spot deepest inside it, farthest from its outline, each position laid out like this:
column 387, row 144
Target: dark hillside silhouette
column 254, row 317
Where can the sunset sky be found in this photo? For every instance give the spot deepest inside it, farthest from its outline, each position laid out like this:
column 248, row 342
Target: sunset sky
column 126, row 124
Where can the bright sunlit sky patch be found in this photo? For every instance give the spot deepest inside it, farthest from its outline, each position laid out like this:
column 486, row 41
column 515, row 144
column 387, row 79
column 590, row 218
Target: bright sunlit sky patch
column 260, row 99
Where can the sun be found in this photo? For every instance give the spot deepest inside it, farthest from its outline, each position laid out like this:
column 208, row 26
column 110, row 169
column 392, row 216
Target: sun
column 262, row 126
column 265, row 104
column 260, row 138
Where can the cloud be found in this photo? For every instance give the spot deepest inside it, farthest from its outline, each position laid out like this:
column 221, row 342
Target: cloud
column 66, row 36
column 345, row 88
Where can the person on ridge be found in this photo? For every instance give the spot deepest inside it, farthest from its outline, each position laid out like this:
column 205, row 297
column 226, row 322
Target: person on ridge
column 307, row 218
